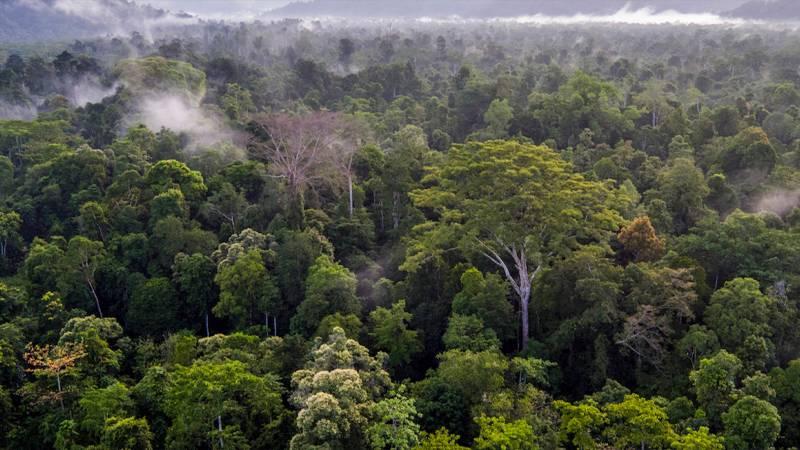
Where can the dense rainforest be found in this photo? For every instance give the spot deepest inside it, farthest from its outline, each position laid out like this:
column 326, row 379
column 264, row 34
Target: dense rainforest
column 424, row 235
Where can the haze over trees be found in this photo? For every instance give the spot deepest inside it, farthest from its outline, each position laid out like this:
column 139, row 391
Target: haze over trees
column 299, row 234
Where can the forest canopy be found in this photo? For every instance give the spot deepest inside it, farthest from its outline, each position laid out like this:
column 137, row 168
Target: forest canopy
column 292, row 234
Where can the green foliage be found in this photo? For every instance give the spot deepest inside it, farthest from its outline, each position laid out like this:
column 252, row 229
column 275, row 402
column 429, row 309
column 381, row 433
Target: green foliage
column 391, row 334
column 153, row 310
column 97, row 405
column 751, row 423
column 159, row 75
column 441, row 439
column 636, row 422
column 356, row 167
column 737, row 313
column 330, row 288
column 699, row 439
column 468, row 333
column 198, row 396
column 485, row 297
column 127, row 434
column 246, row 289
column 394, row 426
column 335, row 392
column 497, row 434
column 714, row 382
column 473, row 375
column 580, row 424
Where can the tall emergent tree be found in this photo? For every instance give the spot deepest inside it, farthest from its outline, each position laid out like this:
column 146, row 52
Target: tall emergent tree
column 304, row 150
column 518, row 205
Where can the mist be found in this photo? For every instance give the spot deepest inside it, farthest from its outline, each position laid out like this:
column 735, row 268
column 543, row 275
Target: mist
column 11, row 111
column 626, row 15
column 780, row 202
column 204, row 127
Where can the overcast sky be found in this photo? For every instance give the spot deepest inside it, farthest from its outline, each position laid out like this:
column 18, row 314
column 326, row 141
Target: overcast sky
column 218, row 8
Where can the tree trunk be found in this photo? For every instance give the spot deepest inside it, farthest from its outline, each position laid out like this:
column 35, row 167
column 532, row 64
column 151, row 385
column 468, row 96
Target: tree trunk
column 521, row 281
column 208, row 334
column 524, row 303
column 60, row 397
column 350, row 192
column 219, row 427
column 96, row 299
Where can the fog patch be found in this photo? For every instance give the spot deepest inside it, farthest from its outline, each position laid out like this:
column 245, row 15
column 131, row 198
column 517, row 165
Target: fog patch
column 780, row 202
column 10, row 111
column 204, row 127
column 88, row 90
column 626, row 15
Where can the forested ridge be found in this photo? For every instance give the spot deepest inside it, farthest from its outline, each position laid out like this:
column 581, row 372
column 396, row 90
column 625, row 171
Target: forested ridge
column 432, row 236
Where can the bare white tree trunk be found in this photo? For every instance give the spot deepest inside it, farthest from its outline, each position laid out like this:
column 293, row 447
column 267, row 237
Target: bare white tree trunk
column 521, row 282
column 96, row 299
column 350, row 193
column 219, row 427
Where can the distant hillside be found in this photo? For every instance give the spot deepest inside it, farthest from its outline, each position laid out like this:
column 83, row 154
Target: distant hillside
column 490, row 8
column 47, row 20
column 768, row 10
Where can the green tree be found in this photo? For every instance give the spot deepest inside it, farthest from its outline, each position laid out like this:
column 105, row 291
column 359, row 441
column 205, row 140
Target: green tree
column 194, row 277
column 81, row 260
column 246, row 289
column 237, row 102
column 394, row 426
column 10, row 223
column 484, row 193
column 498, row 118
column 170, row 203
column 683, row 187
column 94, row 221
column 99, row 337
column 127, row 433
column 350, row 323
column 498, row 434
column 737, row 312
column 330, row 288
column 389, row 329
column 581, row 423
column 170, row 174
column 99, row 404
column 210, row 402
column 6, row 176
column 751, row 423
column 153, row 309
column 441, row 439
column 786, row 382
column 486, row 298
column 638, row 422
column 714, row 383
column 468, row 333
column 699, row 439
column 653, row 99
column 335, row 392
column 473, row 375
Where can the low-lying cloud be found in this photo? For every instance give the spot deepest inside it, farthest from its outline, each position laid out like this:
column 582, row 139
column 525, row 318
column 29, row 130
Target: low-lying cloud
column 626, row 15
column 205, row 128
column 88, row 90
column 780, row 202
column 9, row 111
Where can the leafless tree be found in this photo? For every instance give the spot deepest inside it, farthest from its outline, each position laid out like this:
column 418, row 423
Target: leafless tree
column 309, row 150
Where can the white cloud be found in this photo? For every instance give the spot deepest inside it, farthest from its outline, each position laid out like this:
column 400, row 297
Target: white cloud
column 626, row 15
